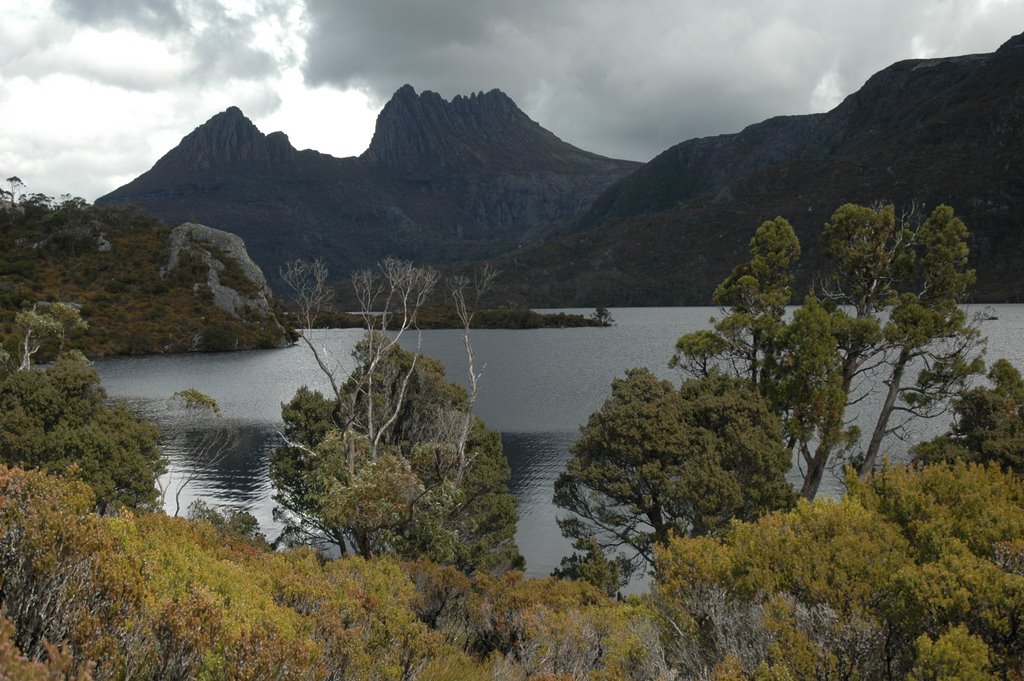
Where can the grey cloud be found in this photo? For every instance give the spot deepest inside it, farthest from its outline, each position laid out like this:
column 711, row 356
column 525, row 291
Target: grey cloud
column 158, row 16
column 221, row 52
column 218, row 42
column 631, row 79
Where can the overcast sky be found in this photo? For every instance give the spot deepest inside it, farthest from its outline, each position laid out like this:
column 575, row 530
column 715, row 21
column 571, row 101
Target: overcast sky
column 93, row 92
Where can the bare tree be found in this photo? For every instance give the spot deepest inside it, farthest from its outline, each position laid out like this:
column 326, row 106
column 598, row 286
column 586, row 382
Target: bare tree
column 389, row 301
column 459, row 286
column 308, row 281
column 389, row 305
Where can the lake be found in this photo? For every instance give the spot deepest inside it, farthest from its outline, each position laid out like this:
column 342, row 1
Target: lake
column 538, row 387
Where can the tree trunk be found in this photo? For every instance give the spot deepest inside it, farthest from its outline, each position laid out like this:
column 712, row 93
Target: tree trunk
column 362, row 539
column 882, row 425
column 814, row 473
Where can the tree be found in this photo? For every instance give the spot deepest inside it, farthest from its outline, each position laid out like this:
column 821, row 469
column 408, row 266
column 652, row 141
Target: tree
column 58, row 420
column 408, row 497
column 925, row 280
column 602, row 317
column 988, row 424
column 655, row 462
column 69, row 318
column 229, row 522
column 389, row 305
column 15, row 183
column 43, row 323
column 594, row 567
column 34, row 328
column 393, row 460
column 886, row 315
column 754, row 298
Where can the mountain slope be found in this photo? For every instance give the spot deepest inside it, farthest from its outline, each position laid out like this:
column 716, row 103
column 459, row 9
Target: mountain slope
column 919, row 133
column 440, row 182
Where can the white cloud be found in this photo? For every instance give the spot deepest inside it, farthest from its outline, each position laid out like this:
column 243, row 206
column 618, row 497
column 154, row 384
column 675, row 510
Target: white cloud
column 119, row 57
column 324, row 119
column 828, row 93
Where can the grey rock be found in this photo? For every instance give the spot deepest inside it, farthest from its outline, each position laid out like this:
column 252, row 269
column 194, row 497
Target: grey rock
column 209, row 245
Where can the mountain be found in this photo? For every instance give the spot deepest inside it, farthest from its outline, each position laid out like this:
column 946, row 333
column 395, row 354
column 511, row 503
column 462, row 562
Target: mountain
column 918, row 133
column 442, row 181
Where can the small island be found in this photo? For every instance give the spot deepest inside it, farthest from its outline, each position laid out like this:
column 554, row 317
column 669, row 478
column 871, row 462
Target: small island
column 446, row 317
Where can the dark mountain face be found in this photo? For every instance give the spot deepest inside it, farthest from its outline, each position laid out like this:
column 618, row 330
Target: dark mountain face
column 441, row 182
column 917, row 134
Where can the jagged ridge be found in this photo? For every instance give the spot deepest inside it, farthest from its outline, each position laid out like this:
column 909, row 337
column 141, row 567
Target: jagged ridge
column 441, row 182
column 425, row 133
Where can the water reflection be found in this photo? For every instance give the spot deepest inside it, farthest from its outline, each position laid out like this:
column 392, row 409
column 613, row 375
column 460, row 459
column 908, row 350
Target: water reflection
column 240, row 480
column 536, row 460
column 237, row 476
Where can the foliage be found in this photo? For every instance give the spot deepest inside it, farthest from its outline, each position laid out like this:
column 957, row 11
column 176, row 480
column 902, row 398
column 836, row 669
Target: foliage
column 407, row 499
column 602, row 317
column 593, row 567
column 890, row 581
column 16, row 667
column 58, row 420
column 549, row 628
column 35, row 327
column 886, row 314
column 151, row 596
column 976, row 506
column 46, row 535
column 655, row 462
column 988, row 425
column 229, row 522
column 956, row 654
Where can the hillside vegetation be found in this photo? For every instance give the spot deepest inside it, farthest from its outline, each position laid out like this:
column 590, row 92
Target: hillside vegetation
column 112, row 264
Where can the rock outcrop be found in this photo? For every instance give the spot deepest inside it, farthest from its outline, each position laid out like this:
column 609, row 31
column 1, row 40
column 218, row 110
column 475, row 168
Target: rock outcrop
column 235, row 281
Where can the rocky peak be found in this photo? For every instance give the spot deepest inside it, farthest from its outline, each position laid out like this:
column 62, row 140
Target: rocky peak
column 425, row 132
column 229, row 137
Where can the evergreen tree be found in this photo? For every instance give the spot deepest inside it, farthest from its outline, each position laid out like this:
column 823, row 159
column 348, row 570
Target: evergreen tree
column 886, row 314
column 655, row 462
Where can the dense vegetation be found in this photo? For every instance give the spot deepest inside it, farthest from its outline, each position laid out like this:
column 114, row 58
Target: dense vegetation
column 656, row 462
column 110, row 264
column 58, row 420
column 916, row 573
column 157, row 597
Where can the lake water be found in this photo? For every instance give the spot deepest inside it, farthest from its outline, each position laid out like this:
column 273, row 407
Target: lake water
column 538, row 387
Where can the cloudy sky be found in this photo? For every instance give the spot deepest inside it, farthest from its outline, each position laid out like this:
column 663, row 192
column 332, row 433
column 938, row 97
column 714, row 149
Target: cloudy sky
column 93, row 92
